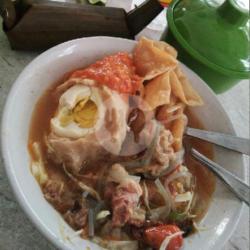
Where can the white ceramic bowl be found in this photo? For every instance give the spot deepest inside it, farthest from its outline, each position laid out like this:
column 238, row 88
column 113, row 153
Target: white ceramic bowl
column 48, row 68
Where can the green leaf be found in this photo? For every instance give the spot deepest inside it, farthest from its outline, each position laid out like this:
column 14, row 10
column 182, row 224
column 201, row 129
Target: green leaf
column 174, row 216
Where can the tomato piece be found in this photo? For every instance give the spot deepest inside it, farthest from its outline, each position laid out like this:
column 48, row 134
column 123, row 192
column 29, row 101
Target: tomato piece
column 115, row 71
column 154, row 236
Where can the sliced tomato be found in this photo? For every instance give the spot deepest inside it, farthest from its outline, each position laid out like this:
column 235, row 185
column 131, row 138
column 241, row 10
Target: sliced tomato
column 154, row 236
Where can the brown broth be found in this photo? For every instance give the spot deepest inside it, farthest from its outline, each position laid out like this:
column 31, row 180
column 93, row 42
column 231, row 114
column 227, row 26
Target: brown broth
column 40, row 126
column 205, row 179
column 44, row 110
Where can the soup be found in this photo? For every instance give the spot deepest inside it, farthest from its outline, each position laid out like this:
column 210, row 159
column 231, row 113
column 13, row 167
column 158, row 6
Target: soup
column 110, row 156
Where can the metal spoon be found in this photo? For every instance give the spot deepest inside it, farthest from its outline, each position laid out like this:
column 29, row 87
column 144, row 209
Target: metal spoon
column 237, row 186
column 235, row 143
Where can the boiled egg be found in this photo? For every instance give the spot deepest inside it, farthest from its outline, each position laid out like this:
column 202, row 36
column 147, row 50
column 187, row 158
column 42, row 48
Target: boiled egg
column 80, row 112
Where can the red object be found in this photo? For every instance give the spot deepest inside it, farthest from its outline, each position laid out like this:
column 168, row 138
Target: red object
column 165, row 3
column 115, row 71
column 154, row 236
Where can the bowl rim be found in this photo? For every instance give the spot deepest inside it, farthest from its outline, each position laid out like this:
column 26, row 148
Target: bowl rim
column 20, row 197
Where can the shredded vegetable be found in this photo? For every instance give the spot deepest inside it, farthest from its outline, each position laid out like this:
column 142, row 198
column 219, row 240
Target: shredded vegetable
column 162, row 191
column 189, row 204
column 145, row 196
column 201, row 228
column 173, row 164
column 66, row 234
column 136, row 178
column 174, row 108
column 37, row 167
column 175, row 117
column 148, row 154
column 170, row 197
column 183, row 197
column 102, row 215
column 82, row 185
column 85, row 194
column 168, row 171
column 177, row 217
column 179, row 158
column 37, row 151
column 116, row 245
column 152, row 146
column 74, row 235
column 159, row 213
column 166, row 195
column 165, row 243
column 177, row 175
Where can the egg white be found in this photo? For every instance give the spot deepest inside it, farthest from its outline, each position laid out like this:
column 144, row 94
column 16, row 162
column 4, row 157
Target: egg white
column 67, row 102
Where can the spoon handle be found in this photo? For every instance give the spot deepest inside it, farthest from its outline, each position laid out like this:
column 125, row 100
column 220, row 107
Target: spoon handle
column 235, row 143
column 237, row 186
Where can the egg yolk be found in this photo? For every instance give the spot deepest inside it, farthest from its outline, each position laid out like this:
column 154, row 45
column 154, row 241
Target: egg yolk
column 84, row 114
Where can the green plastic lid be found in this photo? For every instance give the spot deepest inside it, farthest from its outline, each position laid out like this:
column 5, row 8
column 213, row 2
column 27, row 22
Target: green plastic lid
column 215, row 32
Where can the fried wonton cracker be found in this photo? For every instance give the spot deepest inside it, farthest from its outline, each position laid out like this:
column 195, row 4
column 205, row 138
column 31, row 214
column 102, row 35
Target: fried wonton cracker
column 182, row 88
column 178, row 127
column 157, row 91
column 166, row 47
column 166, row 114
column 152, row 58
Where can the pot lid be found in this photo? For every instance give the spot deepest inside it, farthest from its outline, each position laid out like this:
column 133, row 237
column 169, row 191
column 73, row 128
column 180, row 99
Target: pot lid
column 215, row 32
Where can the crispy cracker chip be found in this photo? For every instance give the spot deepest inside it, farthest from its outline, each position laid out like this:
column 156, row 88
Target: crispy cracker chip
column 182, row 88
column 178, row 128
column 157, row 91
column 166, row 47
column 153, row 58
column 167, row 112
